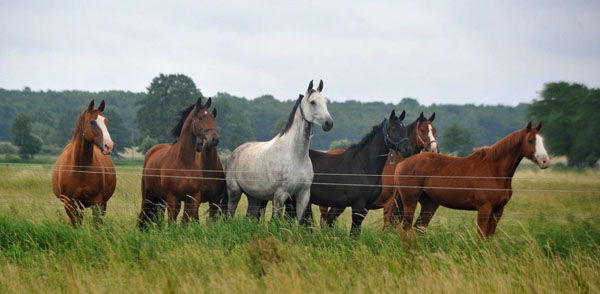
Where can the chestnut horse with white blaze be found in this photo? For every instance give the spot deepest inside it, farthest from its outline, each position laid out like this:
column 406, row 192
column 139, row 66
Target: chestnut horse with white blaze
column 173, row 171
column 84, row 174
column 481, row 181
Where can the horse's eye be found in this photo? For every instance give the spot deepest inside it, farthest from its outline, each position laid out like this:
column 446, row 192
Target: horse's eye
column 199, row 118
column 530, row 141
column 423, row 132
column 93, row 123
column 312, row 102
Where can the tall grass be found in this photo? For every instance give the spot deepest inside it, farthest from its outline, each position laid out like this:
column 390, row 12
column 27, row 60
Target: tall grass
column 546, row 242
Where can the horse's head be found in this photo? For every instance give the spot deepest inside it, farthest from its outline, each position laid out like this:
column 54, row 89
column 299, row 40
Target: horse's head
column 533, row 146
column 424, row 133
column 314, row 107
column 94, row 127
column 202, row 124
column 395, row 134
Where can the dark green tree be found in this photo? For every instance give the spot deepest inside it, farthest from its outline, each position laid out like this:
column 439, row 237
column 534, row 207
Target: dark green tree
column 340, row 144
column 63, row 132
column 147, row 143
column 156, row 111
column 119, row 133
column 457, row 140
column 28, row 143
column 569, row 113
column 279, row 124
column 232, row 125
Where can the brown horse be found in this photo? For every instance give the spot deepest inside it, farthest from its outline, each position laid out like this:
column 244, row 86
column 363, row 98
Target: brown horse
column 422, row 139
column 84, row 174
column 480, row 181
column 173, row 172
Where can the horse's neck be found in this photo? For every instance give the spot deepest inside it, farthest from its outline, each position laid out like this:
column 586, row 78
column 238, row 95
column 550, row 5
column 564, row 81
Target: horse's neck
column 185, row 147
column 298, row 136
column 506, row 164
column 413, row 138
column 83, row 152
column 372, row 155
column 210, row 158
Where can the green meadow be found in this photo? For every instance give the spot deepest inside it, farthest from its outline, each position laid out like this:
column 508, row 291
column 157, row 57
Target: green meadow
column 548, row 241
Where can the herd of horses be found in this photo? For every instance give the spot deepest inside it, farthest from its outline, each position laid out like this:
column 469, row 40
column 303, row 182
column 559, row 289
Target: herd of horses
column 394, row 167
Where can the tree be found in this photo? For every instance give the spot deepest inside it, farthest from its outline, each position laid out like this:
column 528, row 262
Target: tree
column 147, row 143
column 21, row 135
column 278, row 125
column 118, row 131
column 63, row 132
column 457, row 140
column 232, row 125
column 569, row 113
column 340, row 144
column 166, row 95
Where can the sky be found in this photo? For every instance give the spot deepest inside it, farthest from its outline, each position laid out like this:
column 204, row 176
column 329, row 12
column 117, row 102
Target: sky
column 481, row 52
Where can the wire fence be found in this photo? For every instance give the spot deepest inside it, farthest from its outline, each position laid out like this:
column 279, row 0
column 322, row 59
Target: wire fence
column 148, row 172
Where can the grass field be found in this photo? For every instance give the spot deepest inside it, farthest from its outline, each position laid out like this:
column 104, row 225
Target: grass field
column 546, row 242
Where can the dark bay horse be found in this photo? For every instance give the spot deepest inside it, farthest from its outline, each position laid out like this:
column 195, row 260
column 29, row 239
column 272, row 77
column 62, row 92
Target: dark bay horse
column 480, row 181
column 335, row 186
column 422, row 139
column 84, row 174
column 173, row 172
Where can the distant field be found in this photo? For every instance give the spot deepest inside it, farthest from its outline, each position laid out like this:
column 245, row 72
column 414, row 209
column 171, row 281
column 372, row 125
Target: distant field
column 546, row 242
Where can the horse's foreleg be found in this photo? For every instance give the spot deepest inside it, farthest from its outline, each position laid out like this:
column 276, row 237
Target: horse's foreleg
column 359, row 212
column 303, row 205
column 74, row 210
column 99, row 210
column 428, row 208
column 333, row 214
column 494, row 219
column 173, row 207
column 483, row 218
column 190, row 207
column 324, row 213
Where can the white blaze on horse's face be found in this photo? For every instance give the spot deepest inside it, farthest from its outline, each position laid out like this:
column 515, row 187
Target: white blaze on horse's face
column 107, row 143
column 315, row 110
column 541, row 156
column 433, row 145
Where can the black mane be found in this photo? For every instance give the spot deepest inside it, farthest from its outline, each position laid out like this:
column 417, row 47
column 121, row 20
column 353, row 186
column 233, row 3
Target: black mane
column 181, row 117
column 290, row 120
column 366, row 139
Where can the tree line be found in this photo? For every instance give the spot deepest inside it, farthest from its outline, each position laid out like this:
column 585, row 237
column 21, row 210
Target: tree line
column 144, row 119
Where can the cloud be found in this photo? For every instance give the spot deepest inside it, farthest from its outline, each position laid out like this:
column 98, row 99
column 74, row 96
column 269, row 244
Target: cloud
column 438, row 52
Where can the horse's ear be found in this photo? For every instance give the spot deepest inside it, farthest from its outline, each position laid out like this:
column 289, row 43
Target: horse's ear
column 320, row 87
column 91, row 106
column 528, row 127
column 539, row 126
column 393, row 115
column 310, row 86
column 432, row 117
column 208, row 103
column 102, row 106
column 199, row 102
column 401, row 117
column 214, row 112
column 421, row 117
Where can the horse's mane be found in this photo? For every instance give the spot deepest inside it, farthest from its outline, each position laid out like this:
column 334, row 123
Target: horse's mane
column 77, row 131
column 182, row 116
column 501, row 147
column 411, row 127
column 290, row 120
column 366, row 139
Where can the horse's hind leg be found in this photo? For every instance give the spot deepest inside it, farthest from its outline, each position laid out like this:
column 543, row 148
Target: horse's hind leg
column 359, row 212
column 74, row 210
column 278, row 200
column 392, row 212
column 428, row 208
column 234, row 193
column 254, row 207
column 333, row 214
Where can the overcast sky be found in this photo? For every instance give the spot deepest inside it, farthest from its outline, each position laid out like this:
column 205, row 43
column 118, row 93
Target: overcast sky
column 435, row 51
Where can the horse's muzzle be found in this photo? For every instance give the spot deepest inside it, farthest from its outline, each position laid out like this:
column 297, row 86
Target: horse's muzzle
column 107, row 147
column 328, row 125
column 543, row 162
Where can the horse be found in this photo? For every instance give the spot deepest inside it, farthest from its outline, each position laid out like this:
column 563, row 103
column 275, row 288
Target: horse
column 172, row 171
column 481, row 181
column 422, row 139
column 336, row 185
column 280, row 167
column 84, row 174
